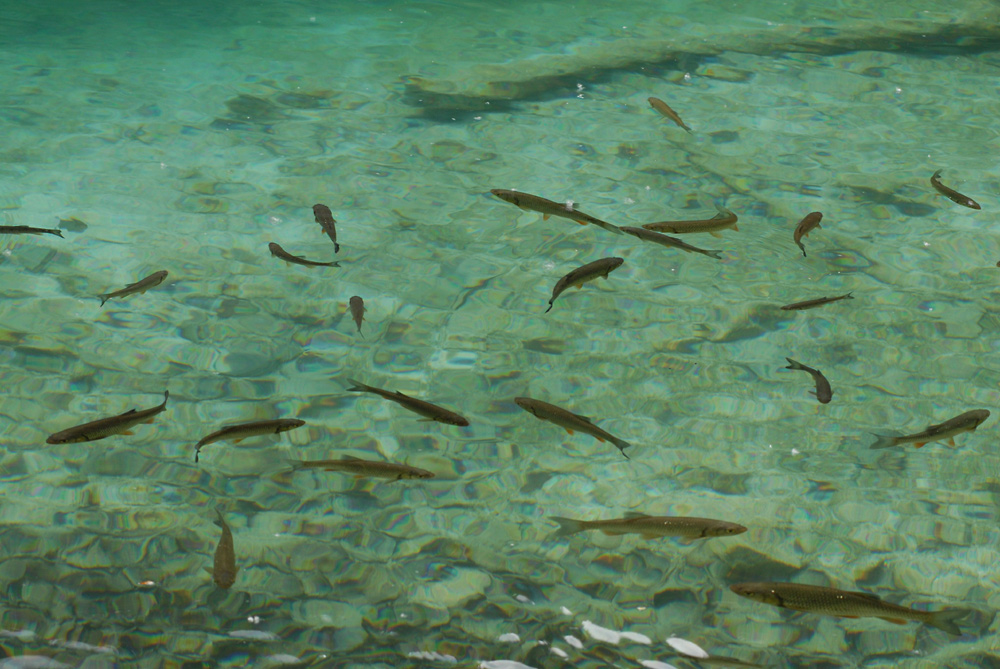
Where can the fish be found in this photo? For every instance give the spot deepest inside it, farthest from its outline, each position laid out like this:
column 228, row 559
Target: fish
column 823, row 392
column 665, row 240
column 817, row 302
column 569, row 421
column 140, row 286
column 966, row 422
column 809, row 223
column 548, row 208
column 281, row 253
column 357, row 306
column 28, row 230
column 845, row 603
column 650, row 526
column 107, row 427
column 224, row 566
column 326, row 221
column 721, row 221
column 366, row 468
column 662, row 107
column 583, row 274
column 426, row 409
column 241, row 431
column 951, row 194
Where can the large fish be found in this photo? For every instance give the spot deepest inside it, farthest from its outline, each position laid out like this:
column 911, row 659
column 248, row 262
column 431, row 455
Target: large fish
column 548, row 208
column 366, row 468
column 282, row 254
column 817, row 302
column 426, row 409
column 845, row 603
column 662, row 107
column 952, row 194
column 357, row 307
column 823, row 393
column 583, row 274
column 966, row 422
column 106, row 427
column 224, row 566
column 569, row 421
column 241, row 431
column 140, row 286
column 809, row 223
column 666, row 240
column 651, row 526
column 326, row 221
column 28, row 230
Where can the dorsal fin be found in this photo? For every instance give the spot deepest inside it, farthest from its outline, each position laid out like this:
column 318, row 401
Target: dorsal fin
column 350, row 457
column 866, row 595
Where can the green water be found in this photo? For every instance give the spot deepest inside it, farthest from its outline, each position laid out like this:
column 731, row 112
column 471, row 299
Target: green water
column 187, row 137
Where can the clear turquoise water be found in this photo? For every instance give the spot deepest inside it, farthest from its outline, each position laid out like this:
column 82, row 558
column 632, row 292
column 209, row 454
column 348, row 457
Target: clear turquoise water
column 188, row 137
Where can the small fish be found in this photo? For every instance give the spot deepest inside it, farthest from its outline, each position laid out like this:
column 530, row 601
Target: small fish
column 569, row 421
column 28, row 230
column 824, row 393
column 549, row 208
column 224, row 567
column 845, row 603
column 805, row 226
column 650, row 526
column 239, row 432
column 583, row 274
column 357, row 306
column 967, row 422
column 107, row 427
column 724, row 219
column 665, row 240
column 662, row 107
column 818, row 302
column 326, row 221
column 426, row 409
column 281, row 253
column 953, row 195
column 140, row 286
column 366, row 468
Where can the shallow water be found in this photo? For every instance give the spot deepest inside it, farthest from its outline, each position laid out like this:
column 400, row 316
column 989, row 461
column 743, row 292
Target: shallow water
column 186, row 138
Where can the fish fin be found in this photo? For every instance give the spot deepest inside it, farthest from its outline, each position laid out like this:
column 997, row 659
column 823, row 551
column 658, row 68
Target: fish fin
column 715, row 234
column 356, row 476
column 649, row 535
column 613, row 532
column 550, row 306
column 736, row 227
column 336, row 249
column 104, row 298
column 210, row 572
column 127, row 432
column 545, row 217
column 581, row 222
column 632, row 515
column 567, row 526
column 951, row 441
column 936, row 174
column 350, row 457
column 357, row 386
column 802, row 246
column 947, row 620
column 852, row 617
column 622, row 445
column 148, row 421
column 599, row 439
column 896, row 621
column 568, row 430
column 793, row 364
column 919, row 444
column 884, row 441
column 849, row 296
column 714, row 254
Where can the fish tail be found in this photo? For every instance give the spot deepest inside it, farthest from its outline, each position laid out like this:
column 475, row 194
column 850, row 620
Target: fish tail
column 104, row 298
column 550, row 306
column 803, row 247
column 57, row 233
column 219, row 521
column 714, row 254
column 849, row 296
column 794, row 364
column 336, row 249
column 884, row 441
column 947, row 620
column 567, row 526
column 622, row 445
column 357, row 386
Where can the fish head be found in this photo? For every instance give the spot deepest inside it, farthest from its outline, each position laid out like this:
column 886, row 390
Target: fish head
column 759, row 592
column 526, row 404
column 291, row 424
column 418, row 474
column 458, row 420
column 506, row 195
column 977, row 417
column 224, row 578
column 724, row 529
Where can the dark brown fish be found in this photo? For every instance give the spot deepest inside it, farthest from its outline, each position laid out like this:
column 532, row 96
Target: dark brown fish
column 547, row 208
column 224, row 567
column 818, row 302
column 951, row 194
column 106, row 427
column 805, row 226
column 326, row 221
column 28, row 230
column 583, row 274
column 966, row 422
column 426, row 409
column 713, row 226
column 651, row 526
column 824, row 393
column 662, row 107
column 241, row 431
column 569, row 421
column 282, row 254
column 357, row 306
column 665, row 240
column 845, row 603
column 366, row 468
